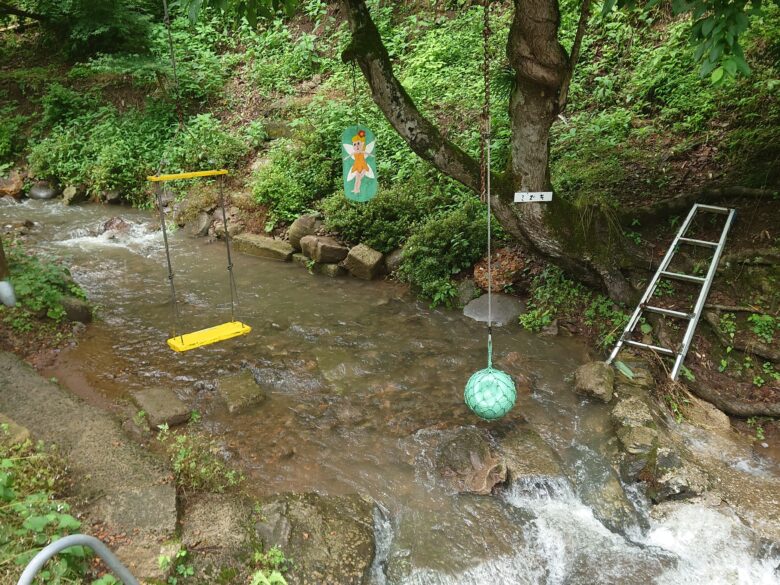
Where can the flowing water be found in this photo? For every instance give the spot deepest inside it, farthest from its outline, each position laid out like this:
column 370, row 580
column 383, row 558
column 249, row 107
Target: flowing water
column 360, row 377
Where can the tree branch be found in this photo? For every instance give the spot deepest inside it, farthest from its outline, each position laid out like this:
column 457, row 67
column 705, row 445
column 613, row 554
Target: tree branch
column 12, row 11
column 563, row 96
column 398, row 107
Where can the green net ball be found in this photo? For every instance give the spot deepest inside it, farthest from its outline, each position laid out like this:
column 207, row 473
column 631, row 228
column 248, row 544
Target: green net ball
column 490, row 393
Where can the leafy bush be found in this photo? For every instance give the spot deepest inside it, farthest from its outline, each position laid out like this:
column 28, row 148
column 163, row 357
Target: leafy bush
column 11, row 139
column 205, row 143
column 62, row 104
column 40, row 286
column 385, row 222
column 764, row 327
column 298, row 174
column 446, row 244
column 30, row 517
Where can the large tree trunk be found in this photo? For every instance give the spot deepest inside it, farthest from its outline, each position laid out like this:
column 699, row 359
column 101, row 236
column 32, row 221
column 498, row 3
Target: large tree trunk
column 575, row 240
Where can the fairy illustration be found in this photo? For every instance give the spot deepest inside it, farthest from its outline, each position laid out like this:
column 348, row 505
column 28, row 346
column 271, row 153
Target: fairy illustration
column 359, row 152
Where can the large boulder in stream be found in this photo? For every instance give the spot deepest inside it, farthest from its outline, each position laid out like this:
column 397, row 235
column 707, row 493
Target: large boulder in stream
column 596, row 380
column 263, row 246
column 77, row 310
column 527, row 456
column 330, row 538
column 470, row 462
column 364, row 262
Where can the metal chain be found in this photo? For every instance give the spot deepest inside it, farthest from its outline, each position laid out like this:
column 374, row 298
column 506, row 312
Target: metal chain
column 174, row 304
column 232, row 279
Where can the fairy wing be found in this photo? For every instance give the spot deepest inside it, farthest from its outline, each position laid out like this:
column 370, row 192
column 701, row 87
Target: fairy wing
column 350, row 149
column 370, row 172
column 370, row 147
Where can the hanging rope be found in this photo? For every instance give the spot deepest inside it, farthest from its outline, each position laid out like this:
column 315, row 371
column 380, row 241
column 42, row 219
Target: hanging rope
column 174, row 303
column 231, row 277
column 485, row 168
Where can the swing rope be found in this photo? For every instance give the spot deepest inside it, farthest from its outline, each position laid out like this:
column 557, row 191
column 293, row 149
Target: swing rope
column 174, row 303
column 485, row 168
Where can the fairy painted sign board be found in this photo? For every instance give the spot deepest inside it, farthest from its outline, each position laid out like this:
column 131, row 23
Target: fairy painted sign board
column 360, row 182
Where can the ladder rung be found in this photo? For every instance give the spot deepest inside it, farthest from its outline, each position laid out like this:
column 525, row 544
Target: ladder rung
column 702, row 243
column 662, row 350
column 668, row 312
column 686, row 277
column 713, row 208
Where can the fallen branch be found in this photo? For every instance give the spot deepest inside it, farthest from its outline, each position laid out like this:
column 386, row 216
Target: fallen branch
column 733, row 308
column 682, row 203
column 758, row 349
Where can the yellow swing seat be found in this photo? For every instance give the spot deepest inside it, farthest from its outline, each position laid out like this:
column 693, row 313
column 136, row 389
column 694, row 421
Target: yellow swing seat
column 188, row 341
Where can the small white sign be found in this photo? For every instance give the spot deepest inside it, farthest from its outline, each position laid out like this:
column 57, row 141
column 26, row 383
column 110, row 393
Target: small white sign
column 533, row 197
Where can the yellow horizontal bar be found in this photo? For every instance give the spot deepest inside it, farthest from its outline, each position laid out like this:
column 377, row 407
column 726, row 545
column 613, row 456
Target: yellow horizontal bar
column 189, row 341
column 192, row 175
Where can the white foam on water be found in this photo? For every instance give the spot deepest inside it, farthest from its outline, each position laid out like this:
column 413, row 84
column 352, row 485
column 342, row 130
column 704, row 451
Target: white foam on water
column 138, row 238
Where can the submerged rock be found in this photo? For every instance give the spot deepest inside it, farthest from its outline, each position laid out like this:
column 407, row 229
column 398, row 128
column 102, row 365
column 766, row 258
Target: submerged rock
column 76, row 309
column 596, row 380
column 470, row 462
column 240, row 391
column 506, row 309
column 330, row 538
column 114, row 224
column 74, row 194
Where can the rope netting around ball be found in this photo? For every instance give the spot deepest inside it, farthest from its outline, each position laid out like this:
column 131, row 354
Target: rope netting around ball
column 490, row 393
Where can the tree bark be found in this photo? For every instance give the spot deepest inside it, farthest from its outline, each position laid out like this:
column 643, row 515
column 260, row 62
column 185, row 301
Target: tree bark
column 573, row 239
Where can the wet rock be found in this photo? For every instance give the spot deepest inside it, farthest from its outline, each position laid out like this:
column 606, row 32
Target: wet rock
column 638, row 440
column 596, row 380
column 704, row 415
column 74, row 194
column 42, row 190
column 8, row 200
column 331, row 270
column 114, row 224
column 393, row 261
column 506, row 309
column 76, row 309
column 526, row 455
column 330, row 538
column 305, row 225
column 12, row 433
column 631, row 411
column 12, row 185
column 205, row 386
column 301, row 259
column 364, row 262
column 673, row 477
column 161, row 406
column 240, row 392
column 470, row 462
column 550, row 330
column 467, row 291
column 263, row 247
column 641, row 375
column 199, row 227
column 323, row 249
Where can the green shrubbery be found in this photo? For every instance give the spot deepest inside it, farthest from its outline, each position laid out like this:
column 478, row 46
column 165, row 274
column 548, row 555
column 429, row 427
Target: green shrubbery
column 12, row 140
column 446, row 244
column 298, row 175
column 40, row 286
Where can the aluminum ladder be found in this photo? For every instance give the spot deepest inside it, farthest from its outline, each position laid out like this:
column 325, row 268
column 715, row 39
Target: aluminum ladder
column 664, row 273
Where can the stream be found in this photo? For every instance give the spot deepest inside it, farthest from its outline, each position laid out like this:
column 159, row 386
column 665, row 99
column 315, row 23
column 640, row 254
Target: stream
column 360, row 376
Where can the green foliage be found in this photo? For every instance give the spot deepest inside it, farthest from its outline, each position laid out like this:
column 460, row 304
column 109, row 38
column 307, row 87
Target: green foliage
column 205, row 144
column 298, row 174
column 84, row 27
column 553, row 296
column 447, row 243
column 30, row 517
column 178, row 567
column 12, row 141
column 270, row 566
column 764, row 327
column 39, row 285
column 755, row 423
column 250, row 10
column 196, row 463
column 385, row 222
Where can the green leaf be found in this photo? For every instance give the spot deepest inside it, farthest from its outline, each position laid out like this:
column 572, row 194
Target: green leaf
column 717, row 75
column 68, row 522
column 624, row 369
column 707, row 25
column 646, row 328
column 730, row 66
column 37, row 523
